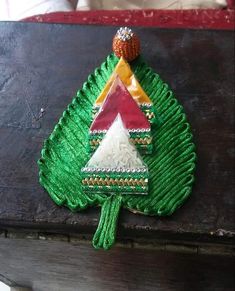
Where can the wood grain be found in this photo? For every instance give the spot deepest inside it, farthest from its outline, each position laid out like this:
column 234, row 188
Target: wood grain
column 63, row 266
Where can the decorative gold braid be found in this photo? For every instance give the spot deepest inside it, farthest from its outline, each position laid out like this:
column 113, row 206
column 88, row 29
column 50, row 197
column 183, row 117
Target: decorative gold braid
column 143, row 141
column 114, row 182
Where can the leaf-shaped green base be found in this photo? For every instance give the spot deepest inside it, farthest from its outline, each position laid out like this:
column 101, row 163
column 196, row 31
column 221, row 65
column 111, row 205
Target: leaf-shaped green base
column 171, row 165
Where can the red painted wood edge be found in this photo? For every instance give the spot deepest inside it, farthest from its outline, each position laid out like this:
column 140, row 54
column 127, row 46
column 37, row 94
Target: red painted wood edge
column 231, row 4
column 200, row 19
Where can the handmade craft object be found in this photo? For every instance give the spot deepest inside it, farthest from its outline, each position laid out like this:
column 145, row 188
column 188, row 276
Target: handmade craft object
column 117, row 173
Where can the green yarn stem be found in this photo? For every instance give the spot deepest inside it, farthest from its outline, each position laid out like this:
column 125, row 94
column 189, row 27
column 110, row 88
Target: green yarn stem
column 106, row 232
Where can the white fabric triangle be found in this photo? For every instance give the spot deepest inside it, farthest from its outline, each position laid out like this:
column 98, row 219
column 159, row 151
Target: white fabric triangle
column 116, row 150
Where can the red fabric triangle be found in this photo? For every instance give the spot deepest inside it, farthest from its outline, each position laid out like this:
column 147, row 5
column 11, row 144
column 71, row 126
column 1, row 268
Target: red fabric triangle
column 120, row 101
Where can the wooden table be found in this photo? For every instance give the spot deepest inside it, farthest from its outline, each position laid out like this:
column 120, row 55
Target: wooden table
column 41, row 67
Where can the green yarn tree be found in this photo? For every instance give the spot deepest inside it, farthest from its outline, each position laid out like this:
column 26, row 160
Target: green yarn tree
column 171, row 166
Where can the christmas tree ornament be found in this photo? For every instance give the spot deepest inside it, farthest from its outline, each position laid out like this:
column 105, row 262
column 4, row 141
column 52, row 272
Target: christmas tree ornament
column 116, row 173
column 119, row 101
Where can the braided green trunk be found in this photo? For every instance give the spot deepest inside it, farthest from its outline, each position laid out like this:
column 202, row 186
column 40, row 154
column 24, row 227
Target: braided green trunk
column 106, row 231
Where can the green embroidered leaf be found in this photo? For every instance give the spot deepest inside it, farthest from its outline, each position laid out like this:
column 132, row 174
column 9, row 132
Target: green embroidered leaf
column 171, row 165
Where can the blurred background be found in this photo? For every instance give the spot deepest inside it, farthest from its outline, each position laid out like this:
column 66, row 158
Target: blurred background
column 17, row 10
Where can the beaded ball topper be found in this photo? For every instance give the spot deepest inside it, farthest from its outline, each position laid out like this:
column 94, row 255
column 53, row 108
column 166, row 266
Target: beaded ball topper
column 126, row 44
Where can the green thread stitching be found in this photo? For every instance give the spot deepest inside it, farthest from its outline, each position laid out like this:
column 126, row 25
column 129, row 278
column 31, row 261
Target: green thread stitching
column 131, row 190
column 106, row 231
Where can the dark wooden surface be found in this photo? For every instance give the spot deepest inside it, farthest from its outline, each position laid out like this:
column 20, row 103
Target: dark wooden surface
column 62, row 266
column 42, row 66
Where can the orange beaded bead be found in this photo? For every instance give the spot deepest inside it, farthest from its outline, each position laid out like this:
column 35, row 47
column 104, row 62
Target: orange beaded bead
column 126, row 44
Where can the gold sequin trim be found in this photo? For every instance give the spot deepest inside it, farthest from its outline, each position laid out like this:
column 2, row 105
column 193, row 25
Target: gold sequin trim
column 115, row 181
